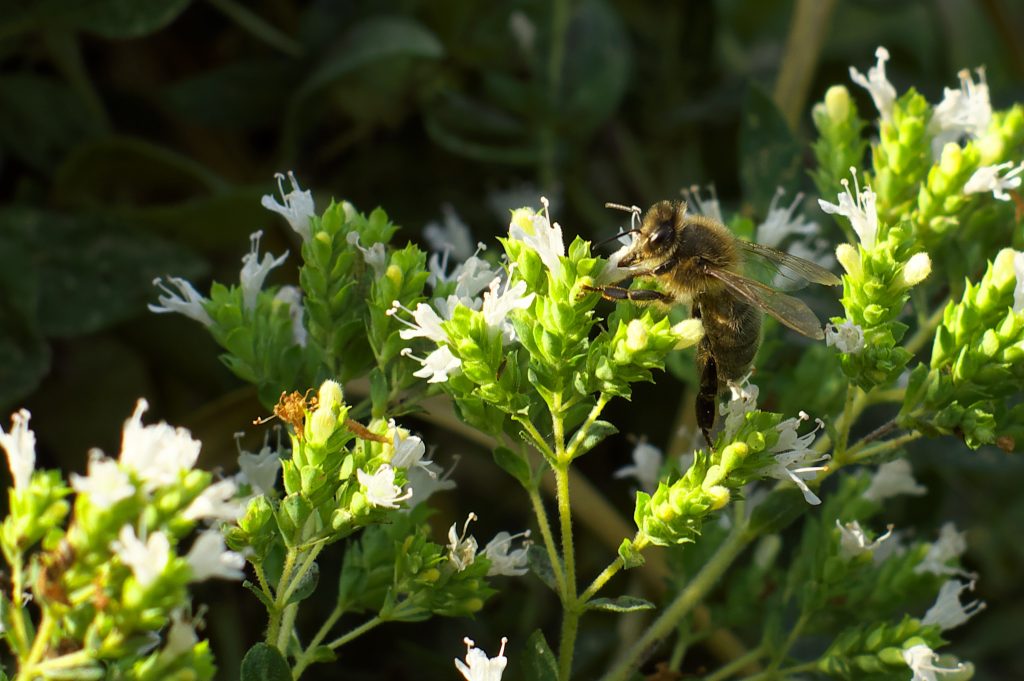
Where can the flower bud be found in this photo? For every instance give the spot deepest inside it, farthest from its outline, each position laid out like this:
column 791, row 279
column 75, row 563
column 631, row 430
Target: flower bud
column 952, row 156
column 714, row 475
column 394, row 274
column 837, row 102
column 1003, row 274
column 733, row 455
column 636, row 336
column 330, row 394
column 917, row 268
column 689, row 332
column 719, row 497
column 849, row 258
column 665, row 513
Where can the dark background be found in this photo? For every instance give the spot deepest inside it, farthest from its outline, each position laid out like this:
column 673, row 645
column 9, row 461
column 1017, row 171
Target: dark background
column 136, row 139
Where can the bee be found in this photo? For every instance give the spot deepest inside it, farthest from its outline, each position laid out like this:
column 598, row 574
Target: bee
column 697, row 259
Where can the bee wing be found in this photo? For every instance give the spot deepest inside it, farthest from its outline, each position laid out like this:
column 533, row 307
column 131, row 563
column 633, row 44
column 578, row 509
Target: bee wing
column 805, row 269
column 791, row 311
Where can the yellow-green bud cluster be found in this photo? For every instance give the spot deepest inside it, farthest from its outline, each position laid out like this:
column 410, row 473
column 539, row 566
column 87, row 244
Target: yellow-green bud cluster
column 876, row 649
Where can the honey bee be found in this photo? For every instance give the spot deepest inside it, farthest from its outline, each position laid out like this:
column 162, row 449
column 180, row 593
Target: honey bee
column 697, row 259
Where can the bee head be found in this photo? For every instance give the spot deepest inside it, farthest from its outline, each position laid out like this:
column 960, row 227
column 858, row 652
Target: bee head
column 657, row 235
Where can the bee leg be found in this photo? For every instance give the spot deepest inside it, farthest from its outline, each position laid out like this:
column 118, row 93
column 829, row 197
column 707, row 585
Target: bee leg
column 640, row 295
column 707, row 393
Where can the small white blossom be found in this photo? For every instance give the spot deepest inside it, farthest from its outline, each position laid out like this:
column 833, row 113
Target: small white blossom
column 20, row 445
column 479, row 667
column 105, row 484
column 292, row 297
column 407, row 450
column 860, row 210
column 893, row 479
column 504, row 559
column 645, row 467
column 917, row 269
column 380, row 487
column 793, row 456
column 180, row 637
column 921, row 659
column 462, row 547
column 846, row 337
column 260, row 470
column 426, row 322
column 187, row 301
column 376, row 256
column 948, row 612
column 709, row 207
column 217, row 502
column 612, row 273
column 950, row 545
column 967, row 111
column 538, row 232
column 853, row 542
column 209, row 558
column 780, row 223
column 1018, row 288
column 497, row 306
column 297, row 208
column 743, row 399
column 158, row 453
column 987, row 179
column 450, row 236
column 254, row 272
column 437, row 366
column 146, row 560
column 424, row 481
column 882, row 91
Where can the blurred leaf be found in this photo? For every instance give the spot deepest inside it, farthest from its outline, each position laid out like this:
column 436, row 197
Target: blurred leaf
column 540, row 565
column 769, row 154
column 538, row 660
column 24, row 354
column 513, row 464
column 307, row 584
column 239, row 96
column 120, row 18
column 40, row 120
column 91, row 273
column 620, row 604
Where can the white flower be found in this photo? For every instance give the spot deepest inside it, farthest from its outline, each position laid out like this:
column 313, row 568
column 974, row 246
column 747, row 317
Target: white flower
column 950, row 545
column 292, row 297
column 157, row 453
column 780, row 222
column 406, row 450
column 105, row 484
column 255, row 272
column 437, row 366
column 948, row 612
column 882, row 91
column 537, row 231
column 921, row 659
column 426, row 322
column 497, row 306
column 847, row 337
column 645, row 467
column 260, row 470
column 180, row 637
column 859, row 210
column 967, row 111
column 987, row 179
column 743, row 400
column 793, row 454
column 217, row 502
column 146, row 560
column 209, row 557
column 471, row 278
column 452, row 236
column 1018, row 289
column 478, row 667
column 187, row 302
column 892, row 479
column 505, row 560
column 462, row 547
column 709, row 207
column 376, row 256
column 380, row 487
column 20, row 445
column 917, row 269
column 612, row 273
column 424, row 481
column 297, row 208
column 853, row 542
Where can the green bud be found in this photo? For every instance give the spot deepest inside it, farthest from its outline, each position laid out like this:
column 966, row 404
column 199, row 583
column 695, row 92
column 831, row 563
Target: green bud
column 837, row 102
column 665, row 513
column 714, row 475
column 734, row 454
column 689, row 332
column 891, row 656
column 756, row 441
column 849, row 257
column 636, row 336
column 719, row 496
column 917, row 269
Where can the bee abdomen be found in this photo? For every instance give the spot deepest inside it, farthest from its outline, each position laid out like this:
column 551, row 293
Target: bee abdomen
column 733, row 331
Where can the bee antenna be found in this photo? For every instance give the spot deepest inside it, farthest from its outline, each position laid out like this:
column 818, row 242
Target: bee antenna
column 616, row 236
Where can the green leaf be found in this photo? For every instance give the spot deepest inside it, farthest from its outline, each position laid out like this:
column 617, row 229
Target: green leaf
column 307, row 584
column 264, row 663
column 598, row 431
column 631, row 558
column 770, row 156
column 538, row 660
column 267, row 602
column 777, row 511
column 122, row 18
column 620, row 604
column 513, row 464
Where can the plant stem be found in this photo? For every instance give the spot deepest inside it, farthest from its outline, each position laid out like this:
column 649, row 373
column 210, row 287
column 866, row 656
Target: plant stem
column 581, row 434
column 355, row 633
column 306, row 658
column 599, row 581
column 41, row 643
column 303, row 569
column 863, row 453
column 736, row 665
column 571, row 615
column 274, row 627
column 843, row 434
column 549, row 540
column 19, row 630
column 783, row 673
column 538, row 441
column 780, row 654
column 683, row 603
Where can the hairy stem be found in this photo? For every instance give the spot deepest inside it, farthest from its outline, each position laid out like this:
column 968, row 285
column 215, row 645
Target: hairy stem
column 306, row 657
column 355, row 633
column 548, row 537
column 737, row 665
column 571, row 615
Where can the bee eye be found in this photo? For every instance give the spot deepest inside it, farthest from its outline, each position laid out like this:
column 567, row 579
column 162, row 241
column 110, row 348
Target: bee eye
column 661, row 234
